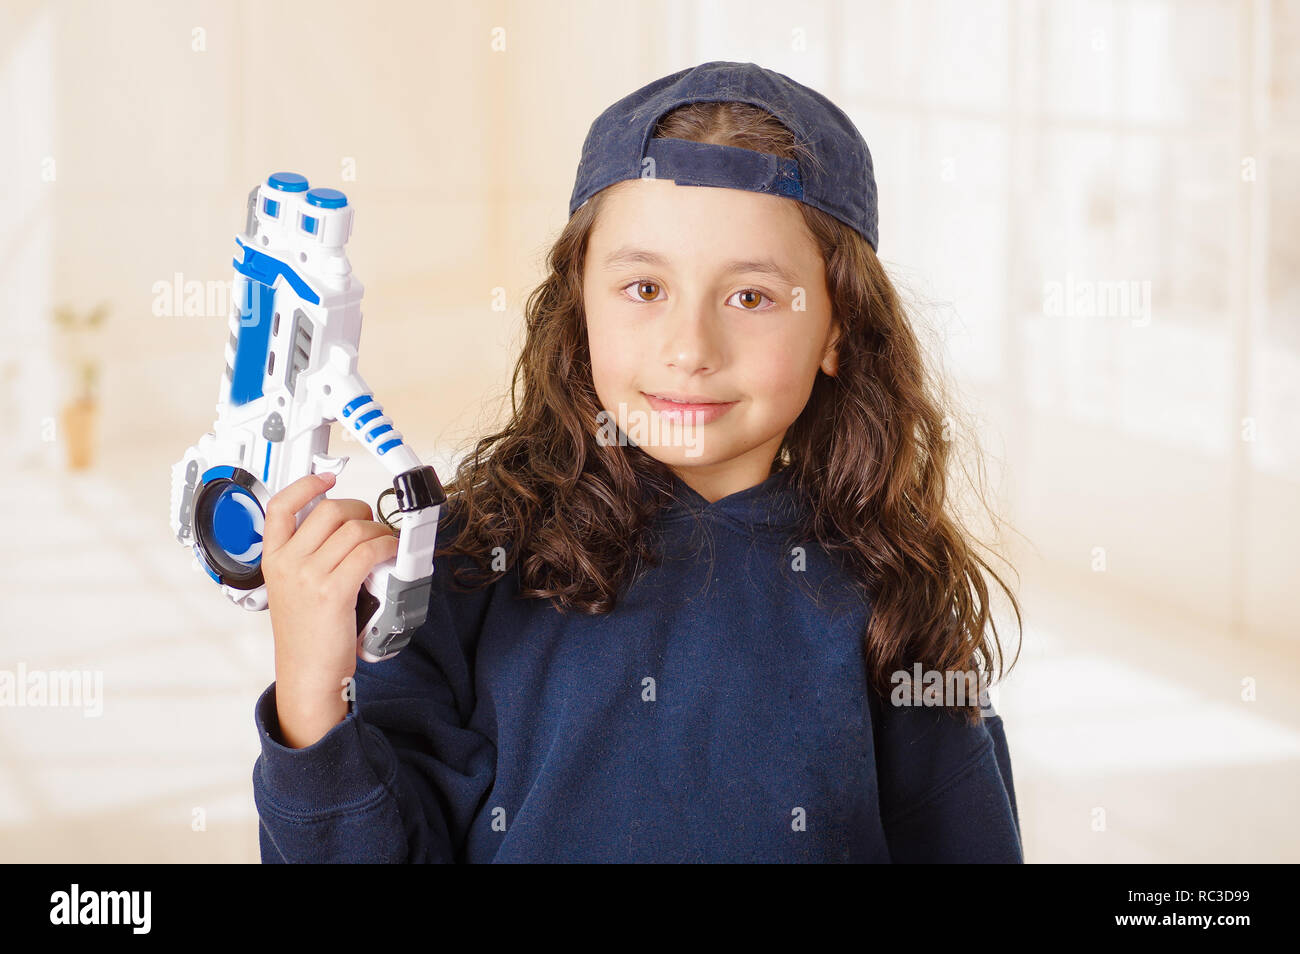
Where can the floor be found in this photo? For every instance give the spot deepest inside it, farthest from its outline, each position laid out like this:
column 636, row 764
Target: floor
column 1130, row 739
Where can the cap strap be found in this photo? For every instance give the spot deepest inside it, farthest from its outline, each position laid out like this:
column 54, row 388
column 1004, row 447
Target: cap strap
column 687, row 162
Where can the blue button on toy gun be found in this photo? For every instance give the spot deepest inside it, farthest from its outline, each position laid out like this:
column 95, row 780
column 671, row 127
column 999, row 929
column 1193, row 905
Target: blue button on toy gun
column 295, row 324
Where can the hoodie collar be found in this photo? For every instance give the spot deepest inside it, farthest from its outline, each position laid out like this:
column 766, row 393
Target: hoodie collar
column 772, row 503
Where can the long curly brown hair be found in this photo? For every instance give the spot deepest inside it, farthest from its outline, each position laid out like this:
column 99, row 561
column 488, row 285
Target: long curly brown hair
column 870, row 454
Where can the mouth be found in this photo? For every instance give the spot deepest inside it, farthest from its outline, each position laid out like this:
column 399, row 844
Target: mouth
column 686, row 400
column 694, row 407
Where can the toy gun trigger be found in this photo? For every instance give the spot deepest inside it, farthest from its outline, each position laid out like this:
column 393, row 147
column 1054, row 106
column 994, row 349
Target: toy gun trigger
column 321, row 464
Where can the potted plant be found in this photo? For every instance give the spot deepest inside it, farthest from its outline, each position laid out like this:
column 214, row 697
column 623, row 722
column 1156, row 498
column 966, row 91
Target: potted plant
column 77, row 348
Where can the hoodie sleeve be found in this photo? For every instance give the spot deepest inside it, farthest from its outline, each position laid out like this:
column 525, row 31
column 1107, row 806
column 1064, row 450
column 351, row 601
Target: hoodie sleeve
column 946, row 791
column 401, row 777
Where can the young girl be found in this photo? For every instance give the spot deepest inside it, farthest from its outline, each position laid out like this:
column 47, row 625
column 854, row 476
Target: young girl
column 681, row 600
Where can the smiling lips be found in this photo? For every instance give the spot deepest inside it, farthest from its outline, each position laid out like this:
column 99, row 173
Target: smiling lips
column 696, row 408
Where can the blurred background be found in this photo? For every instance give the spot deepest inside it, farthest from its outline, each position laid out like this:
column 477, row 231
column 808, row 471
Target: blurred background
column 1092, row 206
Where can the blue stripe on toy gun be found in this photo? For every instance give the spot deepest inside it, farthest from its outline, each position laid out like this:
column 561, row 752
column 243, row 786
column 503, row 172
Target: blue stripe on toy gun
column 260, row 267
column 366, row 409
column 256, row 313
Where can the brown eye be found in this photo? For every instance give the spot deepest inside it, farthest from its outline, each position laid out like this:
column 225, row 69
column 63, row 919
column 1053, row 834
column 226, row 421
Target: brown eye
column 641, row 289
column 751, row 299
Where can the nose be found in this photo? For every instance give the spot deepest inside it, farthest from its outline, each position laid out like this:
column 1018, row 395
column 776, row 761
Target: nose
column 692, row 341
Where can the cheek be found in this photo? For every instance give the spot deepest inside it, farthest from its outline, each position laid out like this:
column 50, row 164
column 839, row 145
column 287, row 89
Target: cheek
column 609, row 352
column 781, row 377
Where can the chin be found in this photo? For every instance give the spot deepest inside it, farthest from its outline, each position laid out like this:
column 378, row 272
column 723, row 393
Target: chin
column 685, row 456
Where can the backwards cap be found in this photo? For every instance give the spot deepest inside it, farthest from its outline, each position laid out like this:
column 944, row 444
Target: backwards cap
column 840, row 181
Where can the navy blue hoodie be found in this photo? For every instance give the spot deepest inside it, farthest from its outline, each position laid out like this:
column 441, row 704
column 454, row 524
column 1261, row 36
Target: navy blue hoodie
column 721, row 712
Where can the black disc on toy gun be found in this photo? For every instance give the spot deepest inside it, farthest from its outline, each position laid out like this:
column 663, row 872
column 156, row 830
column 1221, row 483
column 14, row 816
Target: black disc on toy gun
column 228, row 522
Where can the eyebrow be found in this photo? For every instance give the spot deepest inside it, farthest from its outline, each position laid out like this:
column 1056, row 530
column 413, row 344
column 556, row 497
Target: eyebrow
column 640, row 256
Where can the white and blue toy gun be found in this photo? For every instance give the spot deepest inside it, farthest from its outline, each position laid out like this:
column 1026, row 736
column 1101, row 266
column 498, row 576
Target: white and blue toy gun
column 291, row 369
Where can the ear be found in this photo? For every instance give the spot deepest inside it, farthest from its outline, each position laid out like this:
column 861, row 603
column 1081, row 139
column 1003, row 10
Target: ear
column 831, row 359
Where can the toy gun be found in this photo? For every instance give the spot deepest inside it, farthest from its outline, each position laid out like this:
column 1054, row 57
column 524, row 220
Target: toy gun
column 295, row 323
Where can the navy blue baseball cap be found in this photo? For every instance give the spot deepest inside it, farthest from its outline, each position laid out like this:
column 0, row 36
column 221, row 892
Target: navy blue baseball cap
column 839, row 179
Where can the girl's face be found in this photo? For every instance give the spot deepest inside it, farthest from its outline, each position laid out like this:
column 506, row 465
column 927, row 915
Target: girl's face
column 707, row 295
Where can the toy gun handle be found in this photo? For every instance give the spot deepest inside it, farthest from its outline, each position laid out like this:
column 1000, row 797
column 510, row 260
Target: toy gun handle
column 393, row 601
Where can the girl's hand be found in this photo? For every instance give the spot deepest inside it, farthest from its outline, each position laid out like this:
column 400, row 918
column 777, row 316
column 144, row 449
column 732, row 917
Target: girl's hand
column 313, row 574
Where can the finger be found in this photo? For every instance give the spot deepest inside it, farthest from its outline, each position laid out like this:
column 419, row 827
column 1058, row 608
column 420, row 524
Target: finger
column 354, row 569
column 342, row 541
column 317, row 527
column 282, row 509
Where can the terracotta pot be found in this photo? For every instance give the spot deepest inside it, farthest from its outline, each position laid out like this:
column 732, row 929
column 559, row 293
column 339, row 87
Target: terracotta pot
column 79, row 433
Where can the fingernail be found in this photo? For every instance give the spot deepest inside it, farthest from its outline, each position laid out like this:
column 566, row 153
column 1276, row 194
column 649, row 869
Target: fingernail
column 327, row 477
